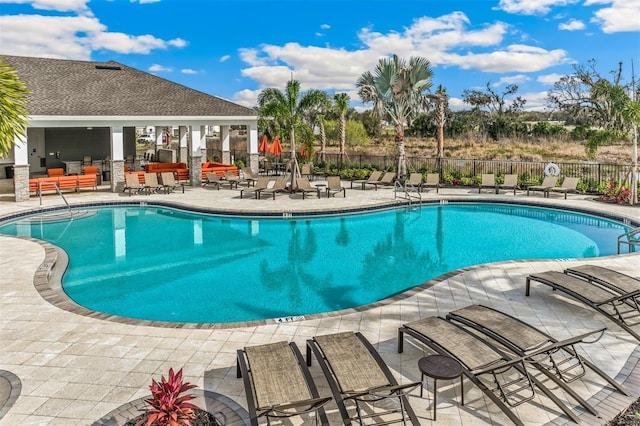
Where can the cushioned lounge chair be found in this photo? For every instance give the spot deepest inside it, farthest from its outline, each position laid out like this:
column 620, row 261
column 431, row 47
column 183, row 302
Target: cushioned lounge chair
column 334, row 186
column 373, row 177
column 261, row 184
column 547, row 183
column 280, row 185
column 488, row 181
column 132, row 184
column 278, row 383
column 503, row 378
column 305, row 187
column 357, row 374
column 387, row 179
column 619, row 307
column 169, row 182
column 510, row 182
column 569, row 184
column 432, row 181
column 557, row 359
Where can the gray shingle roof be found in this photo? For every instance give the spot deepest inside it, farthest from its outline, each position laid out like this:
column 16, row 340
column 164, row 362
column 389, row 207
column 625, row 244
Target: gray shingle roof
column 85, row 88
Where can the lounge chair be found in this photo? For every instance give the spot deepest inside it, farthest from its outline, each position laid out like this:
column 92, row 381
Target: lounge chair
column 214, row 180
column 503, row 378
column 132, row 184
column 231, row 179
column 546, row 185
column 357, row 374
column 488, row 181
column 415, row 179
column 510, row 182
column 261, row 183
column 169, row 182
column 558, row 360
column 279, row 186
column 620, row 307
column 151, row 180
column 306, row 170
column 614, row 280
column 278, row 383
column 387, row 179
column 373, row 177
column 305, row 187
column 432, row 181
column 248, row 176
column 334, row 186
column 569, row 184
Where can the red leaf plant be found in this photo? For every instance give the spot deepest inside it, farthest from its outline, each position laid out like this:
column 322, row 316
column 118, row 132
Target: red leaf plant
column 168, row 408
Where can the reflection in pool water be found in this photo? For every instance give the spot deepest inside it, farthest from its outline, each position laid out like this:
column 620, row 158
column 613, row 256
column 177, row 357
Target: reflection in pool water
column 168, row 265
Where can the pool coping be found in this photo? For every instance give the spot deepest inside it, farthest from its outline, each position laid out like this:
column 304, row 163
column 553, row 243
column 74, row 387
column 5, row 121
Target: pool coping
column 48, row 277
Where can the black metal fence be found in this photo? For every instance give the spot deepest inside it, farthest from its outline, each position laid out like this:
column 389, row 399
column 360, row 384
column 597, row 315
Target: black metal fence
column 592, row 175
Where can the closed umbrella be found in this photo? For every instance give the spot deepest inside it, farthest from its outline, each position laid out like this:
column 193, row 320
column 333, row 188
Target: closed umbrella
column 264, row 144
column 276, row 148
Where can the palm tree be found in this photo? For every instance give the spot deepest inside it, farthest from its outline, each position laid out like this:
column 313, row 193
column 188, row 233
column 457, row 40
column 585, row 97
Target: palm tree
column 13, row 109
column 396, row 89
column 286, row 109
column 440, row 100
column 342, row 106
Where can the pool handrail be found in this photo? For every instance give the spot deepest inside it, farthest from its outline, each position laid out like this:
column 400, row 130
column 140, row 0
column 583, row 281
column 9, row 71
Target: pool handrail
column 630, row 241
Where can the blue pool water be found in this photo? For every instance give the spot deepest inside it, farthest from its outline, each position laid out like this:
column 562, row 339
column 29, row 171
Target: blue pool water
column 156, row 263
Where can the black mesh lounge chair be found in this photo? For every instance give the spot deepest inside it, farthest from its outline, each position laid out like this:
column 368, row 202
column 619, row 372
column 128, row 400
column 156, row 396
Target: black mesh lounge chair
column 278, row 383
column 261, row 183
column 373, row 177
column 558, row 360
column 357, row 374
column 619, row 307
column 503, row 378
column 387, row 179
column 488, row 181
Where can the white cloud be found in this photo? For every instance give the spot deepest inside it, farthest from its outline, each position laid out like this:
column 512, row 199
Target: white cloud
column 325, row 26
column 516, row 58
column 549, row 79
column 145, row 1
column 159, row 68
column 225, row 58
column 532, row 7
column 512, row 79
column 188, row 71
column 123, row 43
column 79, row 6
column 620, row 16
column 571, row 25
column 536, row 101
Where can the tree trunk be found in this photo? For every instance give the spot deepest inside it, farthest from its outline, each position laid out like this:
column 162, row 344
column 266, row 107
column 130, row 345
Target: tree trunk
column 401, row 158
column 343, row 135
column 323, row 143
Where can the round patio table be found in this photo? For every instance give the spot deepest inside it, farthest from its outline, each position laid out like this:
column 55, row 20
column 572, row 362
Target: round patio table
column 440, row 367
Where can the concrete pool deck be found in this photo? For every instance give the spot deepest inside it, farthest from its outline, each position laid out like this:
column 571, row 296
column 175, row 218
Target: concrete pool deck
column 76, row 369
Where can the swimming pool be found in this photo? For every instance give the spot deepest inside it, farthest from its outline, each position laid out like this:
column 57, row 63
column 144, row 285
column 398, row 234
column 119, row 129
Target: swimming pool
column 162, row 264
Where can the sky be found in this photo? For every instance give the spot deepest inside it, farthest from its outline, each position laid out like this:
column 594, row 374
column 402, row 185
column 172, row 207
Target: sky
column 235, row 49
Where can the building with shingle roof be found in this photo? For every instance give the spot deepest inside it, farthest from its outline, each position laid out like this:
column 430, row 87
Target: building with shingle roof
column 87, row 108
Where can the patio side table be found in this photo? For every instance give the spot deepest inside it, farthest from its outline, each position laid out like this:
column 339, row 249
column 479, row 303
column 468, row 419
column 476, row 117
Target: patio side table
column 440, row 367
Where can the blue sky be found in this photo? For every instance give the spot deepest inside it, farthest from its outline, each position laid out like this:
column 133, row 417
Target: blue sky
column 235, row 49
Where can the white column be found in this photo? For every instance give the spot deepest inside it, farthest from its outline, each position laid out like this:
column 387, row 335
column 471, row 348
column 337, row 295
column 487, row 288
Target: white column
column 117, row 158
column 20, row 151
column 253, row 156
column 225, row 138
column 159, row 131
column 21, row 168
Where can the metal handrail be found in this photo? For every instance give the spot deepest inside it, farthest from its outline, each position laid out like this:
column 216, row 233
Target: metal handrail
column 630, row 241
column 59, row 193
column 408, row 189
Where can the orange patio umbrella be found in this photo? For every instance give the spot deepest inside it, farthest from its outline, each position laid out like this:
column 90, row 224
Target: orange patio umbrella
column 264, row 144
column 276, row 148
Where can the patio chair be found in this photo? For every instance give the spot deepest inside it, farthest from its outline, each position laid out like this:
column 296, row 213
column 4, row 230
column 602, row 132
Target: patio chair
column 278, row 384
column 569, row 184
column 373, row 177
column 169, row 182
column 503, row 378
column 358, row 375
column 213, row 179
column 614, row 280
column 248, row 176
column 432, row 181
column 279, row 186
column 416, row 179
column 231, row 179
column 57, row 171
column 548, row 183
column 557, row 359
column 334, row 186
column 510, row 182
column 305, row 187
column 387, row 179
column 132, row 184
column 151, row 180
column 488, row 181
column 261, row 183
column 620, row 307
column 306, row 170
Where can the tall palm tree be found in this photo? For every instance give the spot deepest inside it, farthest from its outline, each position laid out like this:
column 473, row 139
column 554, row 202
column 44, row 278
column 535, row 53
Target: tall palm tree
column 396, row 89
column 13, row 109
column 342, row 106
column 440, row 100
column 287, row 109
column 323, row 137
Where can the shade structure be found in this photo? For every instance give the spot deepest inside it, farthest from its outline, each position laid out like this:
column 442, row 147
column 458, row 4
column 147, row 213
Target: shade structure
column 276, row 148
column 264, row 144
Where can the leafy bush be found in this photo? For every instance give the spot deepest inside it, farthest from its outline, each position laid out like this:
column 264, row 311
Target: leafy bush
column 168, row 408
